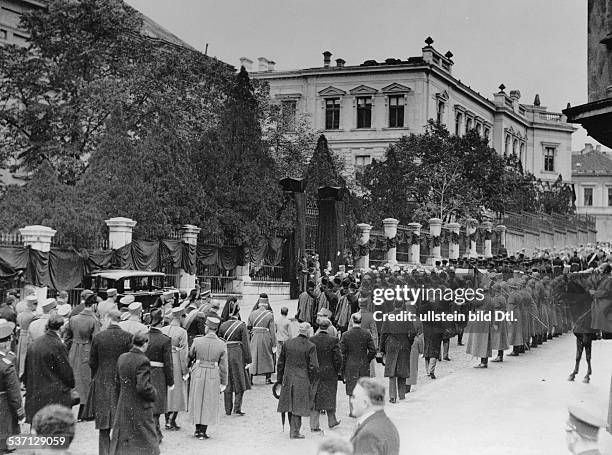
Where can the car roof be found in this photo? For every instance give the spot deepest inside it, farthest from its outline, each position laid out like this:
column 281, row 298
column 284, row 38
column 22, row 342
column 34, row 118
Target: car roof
column 123, row 274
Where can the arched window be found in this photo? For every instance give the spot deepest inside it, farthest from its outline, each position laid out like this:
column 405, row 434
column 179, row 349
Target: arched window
column 458, row 121
column 515, row 147
column 507, row 149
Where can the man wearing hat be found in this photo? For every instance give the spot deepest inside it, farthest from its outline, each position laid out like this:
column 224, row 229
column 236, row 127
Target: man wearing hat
column 48, row 376
column 307, row 304
column 236, row 337
column 81, row 330
column 208, row 377
column 177, row 396
column 330, row 363
column 298, row 368
column 195, row 320
column 38, row 326
column 133, row 324
column 263, row 340
column 109, row 304
column 106, row 348
column 11, row 409
column 84, row 295
column 582, row 432
column 159, row 353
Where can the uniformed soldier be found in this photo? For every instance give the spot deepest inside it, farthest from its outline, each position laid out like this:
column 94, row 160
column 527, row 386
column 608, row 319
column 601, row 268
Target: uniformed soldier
column 11, row 408
column 133, row 324
column 263, row 341
column 38, row 326
column 582, row 432
column 177, row 397
column 24, row 318
column 109, row 304
column 159, row 353
column 208, row 376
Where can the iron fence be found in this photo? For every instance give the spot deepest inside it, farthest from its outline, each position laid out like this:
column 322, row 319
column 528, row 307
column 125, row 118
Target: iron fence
column 218, row 284
column 267, row 273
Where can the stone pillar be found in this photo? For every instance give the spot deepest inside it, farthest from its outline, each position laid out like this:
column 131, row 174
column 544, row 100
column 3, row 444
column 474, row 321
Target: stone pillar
column 119, row 232
column 363, row 262
column 487, row 226
column 415, row 250
column 390, row 228
column 453, row 246
column 435, row 229
column 38, row 238
column 470, row 228
column 189, row 235
column 502, row 235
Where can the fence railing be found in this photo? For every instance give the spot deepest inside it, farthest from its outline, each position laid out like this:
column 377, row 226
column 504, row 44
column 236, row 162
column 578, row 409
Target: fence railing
column 218, row 284
column 267, row 273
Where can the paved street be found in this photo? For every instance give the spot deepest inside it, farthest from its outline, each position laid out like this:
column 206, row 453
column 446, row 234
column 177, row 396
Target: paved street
column 518, row 407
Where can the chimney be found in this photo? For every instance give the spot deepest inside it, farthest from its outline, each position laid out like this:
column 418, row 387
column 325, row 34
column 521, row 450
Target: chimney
column 326, row 59
column 597, row 148
column 247, row 63
column 263, row 64
column 340, row 63
column 271, row 65
column 588, row 148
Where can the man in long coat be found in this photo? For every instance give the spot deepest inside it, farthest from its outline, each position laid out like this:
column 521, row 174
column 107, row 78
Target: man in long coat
column 38, row 326
column 24, row 318
column 330, row 363
column 297, row 370
column 236, row 337
column 159, row 353
column 515, row 331
column 263, row 341
column 307, row 304
column 177, row 397
column 109, row 304
column 134, row 425
column 79, row 334
column 396, row 343
column 499, row 329
column 48, row 377
column 358, row 350
column 106, row 348
column 133, row 324
column 208, row 378
column 479, row 332
column 11, row 409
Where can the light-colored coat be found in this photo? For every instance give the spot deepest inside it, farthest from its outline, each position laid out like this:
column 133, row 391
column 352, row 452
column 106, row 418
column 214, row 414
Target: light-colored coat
column 177, row 397
column 263, row 339
column 207, row 375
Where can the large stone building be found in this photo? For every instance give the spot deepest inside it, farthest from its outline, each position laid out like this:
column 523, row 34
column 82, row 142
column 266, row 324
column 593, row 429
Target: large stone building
column 596, row 115
column 363, row 108
column 592, row 178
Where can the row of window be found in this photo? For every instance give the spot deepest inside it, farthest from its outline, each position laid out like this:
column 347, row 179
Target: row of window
column 364, row 112
column 465, row 123
column 588, row 197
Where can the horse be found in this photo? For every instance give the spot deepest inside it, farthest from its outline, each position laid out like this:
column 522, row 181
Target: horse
column 573, row 290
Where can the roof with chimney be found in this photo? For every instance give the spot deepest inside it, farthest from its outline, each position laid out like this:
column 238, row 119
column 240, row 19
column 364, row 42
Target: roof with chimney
column 592, row 162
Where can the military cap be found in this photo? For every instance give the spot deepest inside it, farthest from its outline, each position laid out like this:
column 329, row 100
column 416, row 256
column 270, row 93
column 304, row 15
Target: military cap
column 111, row 292
column 32, row 298
column 49, row 304
column 584, row 423
column 86, row 293
column 212, row 322
column 6, row 328
column 127, row 300
column 135, row 306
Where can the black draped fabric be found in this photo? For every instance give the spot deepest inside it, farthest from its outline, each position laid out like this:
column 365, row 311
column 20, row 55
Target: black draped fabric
column 66, row 268
column 145, row 255
column 226, row 258
column 14, row 257
column 99, row 259
column 122, row 258
column 37, row 271
column 188, row 258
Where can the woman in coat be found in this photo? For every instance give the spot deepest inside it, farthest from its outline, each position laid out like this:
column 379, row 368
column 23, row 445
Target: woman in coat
column 396, row 343
column 208, row 378
column 177, row 396
column 479, row 331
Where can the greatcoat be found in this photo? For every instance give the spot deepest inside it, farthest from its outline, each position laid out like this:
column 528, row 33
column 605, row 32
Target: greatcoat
column 23, row 321
column 235, row 334
column 479, row 332
column 396, row 344
column 499, row 329
column 48, row 376
column 515, row 304
column 263, row 339
column 10, row 397
column 330, row 364
column 134, row 425
column 159, row 353
column 81, row 330
column 297, row 368
column 177, row 397
column 357, row 348
column 208, row 373
column 106, row 348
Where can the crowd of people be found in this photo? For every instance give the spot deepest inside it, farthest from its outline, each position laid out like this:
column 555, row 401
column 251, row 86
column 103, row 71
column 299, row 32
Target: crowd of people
column 126, row 370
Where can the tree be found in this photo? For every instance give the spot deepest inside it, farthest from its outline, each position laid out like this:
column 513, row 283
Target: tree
column 435, row 174
column 87, row 58
column 238, row 175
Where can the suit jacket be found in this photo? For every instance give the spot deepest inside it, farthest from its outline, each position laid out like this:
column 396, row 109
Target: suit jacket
column 134, row 425
column 357, row 348
column 330, row 363
column 106, row 348
column 48, row 376
column 377, row 435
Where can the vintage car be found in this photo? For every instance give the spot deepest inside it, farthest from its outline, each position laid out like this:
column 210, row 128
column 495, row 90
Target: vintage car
column 146, row 287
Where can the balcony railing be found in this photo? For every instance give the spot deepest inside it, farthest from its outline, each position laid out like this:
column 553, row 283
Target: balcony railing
column 550, row 116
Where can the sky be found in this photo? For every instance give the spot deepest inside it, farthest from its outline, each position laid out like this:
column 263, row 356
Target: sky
column 535, row 46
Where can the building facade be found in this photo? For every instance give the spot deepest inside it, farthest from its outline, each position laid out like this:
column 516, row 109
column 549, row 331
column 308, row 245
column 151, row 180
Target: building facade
column 596, row 115
column 362, row 109
column 592, row 178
